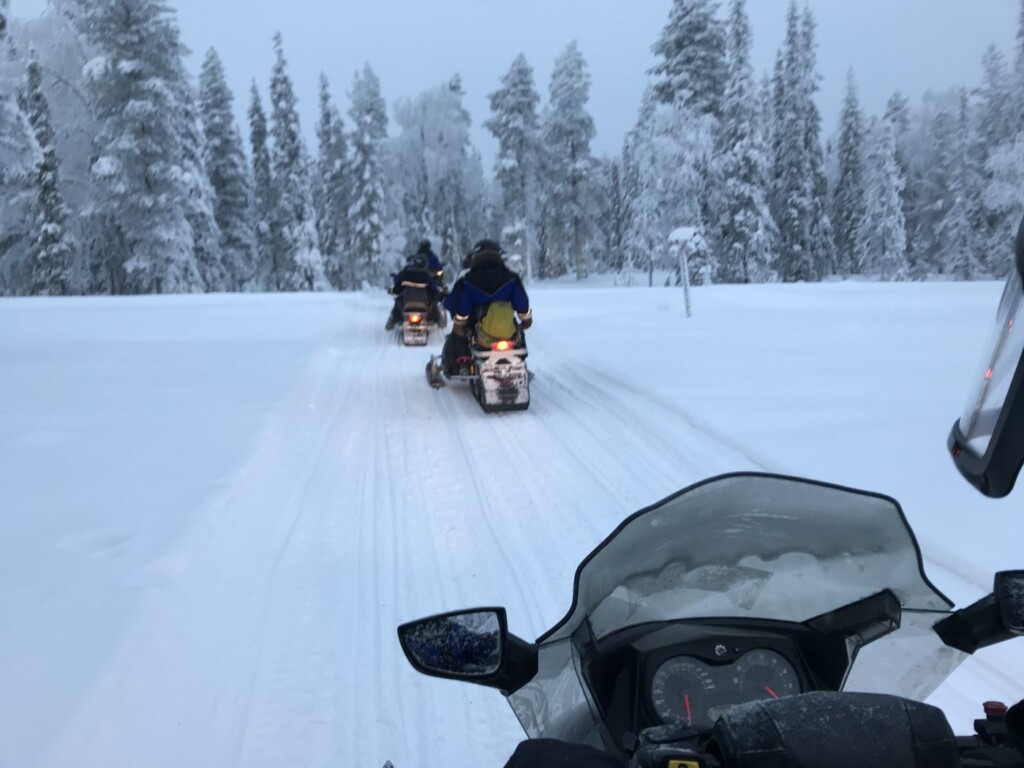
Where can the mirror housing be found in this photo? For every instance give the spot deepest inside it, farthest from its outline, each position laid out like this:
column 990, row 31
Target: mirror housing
column 460, row 645
column 1009, row 592
column 471, row 646
column 993, row 619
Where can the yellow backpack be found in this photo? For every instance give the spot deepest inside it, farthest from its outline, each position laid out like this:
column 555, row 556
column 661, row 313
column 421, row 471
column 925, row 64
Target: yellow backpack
column 499, row 321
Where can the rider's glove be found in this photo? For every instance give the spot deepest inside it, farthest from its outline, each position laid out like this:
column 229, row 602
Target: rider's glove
column 526, row 319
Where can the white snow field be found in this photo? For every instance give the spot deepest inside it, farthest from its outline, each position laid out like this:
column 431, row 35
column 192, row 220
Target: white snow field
column 214, row 511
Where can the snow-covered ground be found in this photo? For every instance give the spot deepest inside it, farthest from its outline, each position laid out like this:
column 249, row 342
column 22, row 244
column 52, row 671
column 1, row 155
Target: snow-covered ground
column 215, row 510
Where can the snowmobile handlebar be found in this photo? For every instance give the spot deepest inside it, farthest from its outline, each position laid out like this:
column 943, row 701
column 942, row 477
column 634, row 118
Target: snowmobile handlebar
column 838, row 730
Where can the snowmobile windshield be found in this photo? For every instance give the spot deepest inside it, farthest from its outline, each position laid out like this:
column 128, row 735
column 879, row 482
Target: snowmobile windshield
column 751, row 547
column 996, row 370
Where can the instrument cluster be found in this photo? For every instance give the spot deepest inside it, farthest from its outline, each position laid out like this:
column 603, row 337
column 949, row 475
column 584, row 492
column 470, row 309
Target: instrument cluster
column 690, row 691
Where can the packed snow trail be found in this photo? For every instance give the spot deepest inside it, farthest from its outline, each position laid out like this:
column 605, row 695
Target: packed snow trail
column 370, row 499
column 259, row 628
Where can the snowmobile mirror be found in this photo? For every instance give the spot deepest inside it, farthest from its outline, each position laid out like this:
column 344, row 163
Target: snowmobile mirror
column 461, row 645
column 993, row 619
column 987, row 442
column 1009, row 591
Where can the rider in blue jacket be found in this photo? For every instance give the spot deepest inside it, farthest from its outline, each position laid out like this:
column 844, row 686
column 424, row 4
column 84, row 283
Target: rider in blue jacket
column 488, row 280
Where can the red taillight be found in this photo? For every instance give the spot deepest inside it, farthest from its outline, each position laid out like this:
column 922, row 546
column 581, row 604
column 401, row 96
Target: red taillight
column 414, row 319
column 501, row 346
column 988, row 374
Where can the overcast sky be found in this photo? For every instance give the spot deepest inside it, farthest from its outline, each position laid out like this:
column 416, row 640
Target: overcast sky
column 909, row 45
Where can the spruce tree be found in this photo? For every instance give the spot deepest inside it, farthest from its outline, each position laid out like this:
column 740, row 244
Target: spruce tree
column 300, row 266
column 200, row 204
column 800, row 192
column 848, row 200
column 880, row 245
column 791, row 194
column 266, row 229
column 822, row 240
column 998, row 130
column 139, row 166
column 51, row 268
column 742, row 232
column 332, row 187
column 692, row 53
column 515, row 125
column 959, row 247
column 228, row 172
column 20, row 156
column 568, row 131
column 367, row 209
column 897, row 115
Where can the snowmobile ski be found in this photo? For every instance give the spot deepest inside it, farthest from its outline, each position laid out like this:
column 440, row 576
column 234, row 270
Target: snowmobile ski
column 435, row 374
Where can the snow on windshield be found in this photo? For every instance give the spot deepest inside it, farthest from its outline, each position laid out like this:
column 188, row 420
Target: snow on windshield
column 753, row 546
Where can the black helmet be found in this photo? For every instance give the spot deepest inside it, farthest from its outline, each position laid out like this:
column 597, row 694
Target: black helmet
column 487, row 246
column 424, row 247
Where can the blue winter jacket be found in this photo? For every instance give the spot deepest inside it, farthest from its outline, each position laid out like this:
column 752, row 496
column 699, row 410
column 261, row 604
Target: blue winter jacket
column 488, row 280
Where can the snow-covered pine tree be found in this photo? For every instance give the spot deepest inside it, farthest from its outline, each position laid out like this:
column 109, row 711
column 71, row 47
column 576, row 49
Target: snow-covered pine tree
column 19, row 159
column 997, row 132
column 300, row 267
column 201, row 202
column 880, row 245
column 640, row 177
column 269, row 245
column 615, row 216
column 799, row 199
column 822, row 238
column 141, row 185
column 63, row 52
column 946, row 229
column 332, row 187
column 367, row 209
column 897, row 115
column 848, row 201
column 692, row 53
column 664, row 160
column 228, row 171
column 956, row 239
column 741, row 229
column 515, row 125
column 791, row 194
column 435, row 127
column 51, row 269
column 568, row 130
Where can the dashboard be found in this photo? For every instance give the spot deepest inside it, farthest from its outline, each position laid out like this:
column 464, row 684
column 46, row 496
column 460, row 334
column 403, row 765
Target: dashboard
column 688, row 674
column 689, row 691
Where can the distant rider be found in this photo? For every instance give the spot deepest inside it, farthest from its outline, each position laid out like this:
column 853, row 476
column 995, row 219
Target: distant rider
column 434, row 265
column 488, row 282
column 417, row 275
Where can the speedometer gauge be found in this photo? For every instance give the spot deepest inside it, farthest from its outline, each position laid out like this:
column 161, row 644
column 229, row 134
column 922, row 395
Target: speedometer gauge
column 680, row 691
column 764, row 674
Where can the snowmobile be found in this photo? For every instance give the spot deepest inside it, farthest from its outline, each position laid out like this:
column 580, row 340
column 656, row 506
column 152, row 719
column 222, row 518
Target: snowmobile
column 497, row 374
column 750, row 616
column 761, row 621
column 419, row 316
